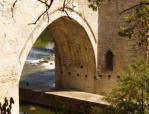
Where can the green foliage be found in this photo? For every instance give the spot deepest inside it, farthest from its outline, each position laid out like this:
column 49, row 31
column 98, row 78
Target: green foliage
column 94, row 4
column 132, row 97
column 136, row 18
column 44, row 39
column 101, row 110
column 97, row 110
column 137, row 23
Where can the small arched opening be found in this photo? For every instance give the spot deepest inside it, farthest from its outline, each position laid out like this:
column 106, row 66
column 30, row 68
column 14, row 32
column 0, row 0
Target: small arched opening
column 109, row 61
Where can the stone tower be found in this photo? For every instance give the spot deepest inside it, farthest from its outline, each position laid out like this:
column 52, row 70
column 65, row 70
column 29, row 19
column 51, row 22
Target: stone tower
column 115, row 53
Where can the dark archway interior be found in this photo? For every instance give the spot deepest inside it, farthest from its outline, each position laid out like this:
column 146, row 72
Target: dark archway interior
column 75, row 60
column 109, row 61
column 75, row 66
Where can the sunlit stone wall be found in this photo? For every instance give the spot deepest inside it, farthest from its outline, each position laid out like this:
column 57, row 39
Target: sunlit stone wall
column 17, row 38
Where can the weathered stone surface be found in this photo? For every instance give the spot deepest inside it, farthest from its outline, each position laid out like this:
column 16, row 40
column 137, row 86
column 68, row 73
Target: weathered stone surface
column 81, row 44
column 125, row 51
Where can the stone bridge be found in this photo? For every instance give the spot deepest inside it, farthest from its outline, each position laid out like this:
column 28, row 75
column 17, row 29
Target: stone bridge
column 89, row 52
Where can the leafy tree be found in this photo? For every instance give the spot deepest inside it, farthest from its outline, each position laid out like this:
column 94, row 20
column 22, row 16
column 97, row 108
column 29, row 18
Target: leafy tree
column 101, row 110
column 137, row 24
column 132, row 96
column 94, row 4
column 97, row 110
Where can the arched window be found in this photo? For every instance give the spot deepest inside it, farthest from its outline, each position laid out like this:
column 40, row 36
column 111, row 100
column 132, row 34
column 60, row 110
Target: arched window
column 109, row 61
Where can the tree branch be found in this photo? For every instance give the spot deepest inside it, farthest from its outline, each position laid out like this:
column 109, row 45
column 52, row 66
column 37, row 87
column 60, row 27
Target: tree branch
column 64, row 4
column 12, row 8
column 48, row 6
column 44, row 2
column 141, row 3
column 47, row 12
column 63, row 9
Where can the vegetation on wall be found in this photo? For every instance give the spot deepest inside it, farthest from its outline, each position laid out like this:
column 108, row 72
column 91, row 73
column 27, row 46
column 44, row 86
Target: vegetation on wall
column 137, row 24
column 136, row 20
column 132, row 96
column 94, row 4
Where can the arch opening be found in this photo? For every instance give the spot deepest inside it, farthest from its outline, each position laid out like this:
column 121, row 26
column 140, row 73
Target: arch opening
column 75, row 65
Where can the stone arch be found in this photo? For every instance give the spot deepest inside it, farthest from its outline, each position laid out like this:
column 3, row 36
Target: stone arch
column 75, row 55
column 56, row 14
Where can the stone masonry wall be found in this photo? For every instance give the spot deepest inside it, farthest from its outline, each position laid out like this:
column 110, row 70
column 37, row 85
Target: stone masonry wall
column 17, row 37
column 92, row 35
column 125, row 51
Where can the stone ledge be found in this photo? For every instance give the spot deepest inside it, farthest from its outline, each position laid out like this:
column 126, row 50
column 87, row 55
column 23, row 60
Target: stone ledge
column 72, row 100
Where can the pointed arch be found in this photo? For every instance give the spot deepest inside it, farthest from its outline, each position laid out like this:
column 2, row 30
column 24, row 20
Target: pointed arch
column 75, row 56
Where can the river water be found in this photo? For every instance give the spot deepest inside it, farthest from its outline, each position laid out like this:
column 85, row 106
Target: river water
column 37, row 71
column 39, row 68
